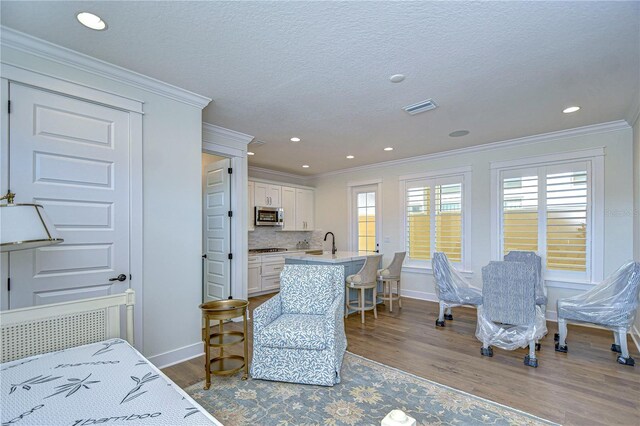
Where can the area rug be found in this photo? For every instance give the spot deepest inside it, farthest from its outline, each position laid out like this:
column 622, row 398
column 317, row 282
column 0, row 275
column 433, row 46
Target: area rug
column 368, row 391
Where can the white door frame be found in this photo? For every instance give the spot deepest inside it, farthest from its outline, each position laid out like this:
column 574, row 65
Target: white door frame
column 211, row 144
column 135, row 109
column 353, row 243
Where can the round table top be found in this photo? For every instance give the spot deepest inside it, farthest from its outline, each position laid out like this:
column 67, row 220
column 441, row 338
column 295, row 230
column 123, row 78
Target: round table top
column 224, row 305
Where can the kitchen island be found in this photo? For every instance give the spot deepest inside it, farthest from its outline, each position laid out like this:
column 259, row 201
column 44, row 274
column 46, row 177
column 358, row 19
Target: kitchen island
column 351, row 260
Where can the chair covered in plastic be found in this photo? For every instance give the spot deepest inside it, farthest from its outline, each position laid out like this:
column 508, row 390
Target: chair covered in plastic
column 298, row 335
column 509, row 317
column 452, row 289
column 389, row 275
column 535, row 260
column 611, row 304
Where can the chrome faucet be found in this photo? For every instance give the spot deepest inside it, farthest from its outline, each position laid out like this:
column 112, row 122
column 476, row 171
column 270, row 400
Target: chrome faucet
column 333, row 242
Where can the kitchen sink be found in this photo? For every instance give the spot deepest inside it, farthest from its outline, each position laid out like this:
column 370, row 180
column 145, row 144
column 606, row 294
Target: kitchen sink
column 313, row 252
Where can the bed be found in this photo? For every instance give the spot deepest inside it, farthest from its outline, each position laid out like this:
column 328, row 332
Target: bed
column 66, row 364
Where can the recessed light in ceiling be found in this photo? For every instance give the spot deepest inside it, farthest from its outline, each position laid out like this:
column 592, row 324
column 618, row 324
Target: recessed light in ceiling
column 388, row 148
column 305, row 166
column 295, row 139
column 250, row 153
column 459, row 133
column 92, row 21
column 571, row 109
column 396, row 78
column 350, row 157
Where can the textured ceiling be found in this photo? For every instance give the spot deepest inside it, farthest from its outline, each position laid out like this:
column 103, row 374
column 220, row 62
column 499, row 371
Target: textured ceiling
column 319, row 70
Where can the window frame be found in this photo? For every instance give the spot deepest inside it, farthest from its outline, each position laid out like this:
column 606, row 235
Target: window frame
column 594, row 159
column 447, row 176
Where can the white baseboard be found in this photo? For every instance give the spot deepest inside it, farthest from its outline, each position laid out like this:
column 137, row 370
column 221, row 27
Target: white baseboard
column 420, row 295
column 176, row 356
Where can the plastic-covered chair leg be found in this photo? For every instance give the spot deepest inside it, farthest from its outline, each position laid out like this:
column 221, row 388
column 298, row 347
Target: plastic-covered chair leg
column 531, row 360
column 561, row 344
column 448, row 315
column 440, row 320
column 624, row 357
column 615, row 347
column 486, row 350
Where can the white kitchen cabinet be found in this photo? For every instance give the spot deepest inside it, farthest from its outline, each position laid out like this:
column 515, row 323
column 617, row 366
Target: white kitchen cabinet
column 298, row 206
column 254, row 281
column 267, row 195
column 251, row 207
column 305, row 209
column 290, row 222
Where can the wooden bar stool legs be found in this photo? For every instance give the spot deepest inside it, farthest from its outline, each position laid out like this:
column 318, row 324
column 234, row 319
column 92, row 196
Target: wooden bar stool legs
column 362, row 304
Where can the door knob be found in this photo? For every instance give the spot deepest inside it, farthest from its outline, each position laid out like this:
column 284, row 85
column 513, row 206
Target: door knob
column 120, row 277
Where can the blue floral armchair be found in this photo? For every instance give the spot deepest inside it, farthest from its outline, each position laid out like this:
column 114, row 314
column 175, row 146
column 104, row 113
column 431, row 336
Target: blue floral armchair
column 298, row 335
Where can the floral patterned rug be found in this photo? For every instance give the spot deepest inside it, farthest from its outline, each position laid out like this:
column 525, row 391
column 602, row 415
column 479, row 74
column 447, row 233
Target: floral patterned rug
column 368, row 392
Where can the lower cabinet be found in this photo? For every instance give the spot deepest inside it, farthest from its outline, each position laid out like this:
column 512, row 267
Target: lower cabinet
column 264, row 274
column 253, row 281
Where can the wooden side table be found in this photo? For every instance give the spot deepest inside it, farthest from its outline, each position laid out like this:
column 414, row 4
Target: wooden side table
column 223, row 365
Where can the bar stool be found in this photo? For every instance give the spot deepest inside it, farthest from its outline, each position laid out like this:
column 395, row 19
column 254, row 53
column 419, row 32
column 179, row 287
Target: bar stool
column 390, row 275
column 364, row 280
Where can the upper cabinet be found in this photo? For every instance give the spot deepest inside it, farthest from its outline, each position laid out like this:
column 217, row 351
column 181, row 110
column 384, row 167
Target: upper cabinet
column 304, row 209
column 251, row 207
column 298, row 204
column 267, row 195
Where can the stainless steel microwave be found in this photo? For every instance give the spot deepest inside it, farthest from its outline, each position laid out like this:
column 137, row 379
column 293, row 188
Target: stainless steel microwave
column 269, row 216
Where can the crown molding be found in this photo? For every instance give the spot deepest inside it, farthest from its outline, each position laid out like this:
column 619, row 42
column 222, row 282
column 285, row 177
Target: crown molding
column 279, row 173
column 611, row 126
column 26, row 43
column 211, row 133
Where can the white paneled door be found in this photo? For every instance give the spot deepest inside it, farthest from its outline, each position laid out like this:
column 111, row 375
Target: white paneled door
column 217, row 228
column 72, row 157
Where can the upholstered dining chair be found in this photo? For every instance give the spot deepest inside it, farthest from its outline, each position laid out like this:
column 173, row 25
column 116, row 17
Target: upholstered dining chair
column 391, row 274
column 452, row 289
column 612, row 304
column 509, row 318
column 534, row 260
column 298, row 335
column 365, row 279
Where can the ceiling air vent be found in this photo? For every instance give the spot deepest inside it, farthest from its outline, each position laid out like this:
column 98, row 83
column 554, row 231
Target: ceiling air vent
column 421, row 107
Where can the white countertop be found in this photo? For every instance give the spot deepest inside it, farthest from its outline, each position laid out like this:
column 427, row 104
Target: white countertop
column 340, row 256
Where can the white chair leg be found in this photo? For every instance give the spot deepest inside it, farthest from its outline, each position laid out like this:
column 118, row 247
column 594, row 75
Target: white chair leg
column 390, row 295
column 440, row 320
column 624, row 357
column 562, row 328
column 399, row 297
column 531, row 360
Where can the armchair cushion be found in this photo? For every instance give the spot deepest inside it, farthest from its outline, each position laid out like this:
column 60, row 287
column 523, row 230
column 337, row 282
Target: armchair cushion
column 294, row 331
column 307, row 291
column 354, row 279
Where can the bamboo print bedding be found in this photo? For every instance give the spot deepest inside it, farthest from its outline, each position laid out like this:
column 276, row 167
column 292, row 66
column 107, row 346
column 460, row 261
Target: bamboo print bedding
column 106, row 383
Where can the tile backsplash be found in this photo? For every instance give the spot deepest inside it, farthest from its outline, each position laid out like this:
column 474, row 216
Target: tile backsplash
column 268, row 236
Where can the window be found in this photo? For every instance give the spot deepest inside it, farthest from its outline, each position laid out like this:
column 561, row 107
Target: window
column 551, row 208
column 434, row 218
column 364, row 215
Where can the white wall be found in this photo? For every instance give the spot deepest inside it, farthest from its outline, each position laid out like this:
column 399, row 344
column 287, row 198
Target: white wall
column 172, row 148
column 332, row 199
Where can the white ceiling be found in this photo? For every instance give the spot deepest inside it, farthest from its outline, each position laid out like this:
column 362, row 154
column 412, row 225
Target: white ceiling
column 319, row 70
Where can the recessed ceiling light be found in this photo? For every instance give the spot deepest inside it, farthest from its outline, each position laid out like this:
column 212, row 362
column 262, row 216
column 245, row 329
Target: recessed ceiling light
column 305, row 166
column 388, row 148
column 396, row 78
column 295, row 139
column 459, row 133
column 350, row 157
column 571, row 109
column 92, row 21
column 250, row 153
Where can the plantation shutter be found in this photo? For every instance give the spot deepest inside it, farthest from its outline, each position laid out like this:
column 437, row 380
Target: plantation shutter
column 418, row 211
column 567, row 201
column 448, row 212
column 520, row 210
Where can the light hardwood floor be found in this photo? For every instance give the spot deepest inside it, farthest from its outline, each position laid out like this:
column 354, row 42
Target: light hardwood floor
column 584, row 387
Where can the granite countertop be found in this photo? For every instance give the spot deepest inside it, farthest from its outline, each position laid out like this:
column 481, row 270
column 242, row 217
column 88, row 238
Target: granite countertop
column 340, row 256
